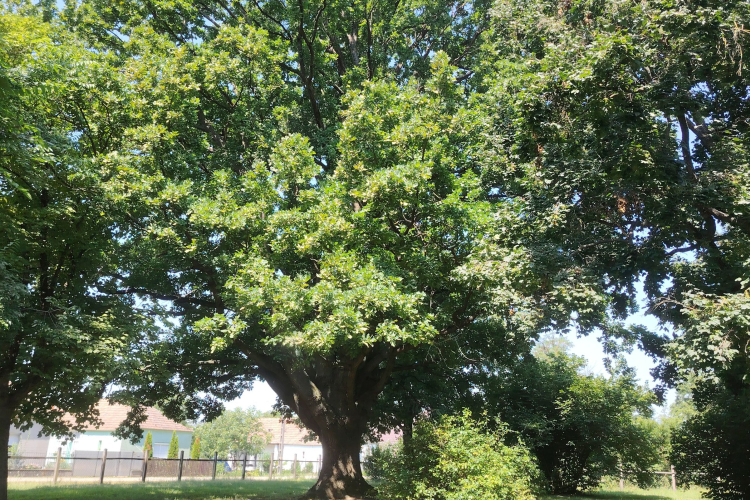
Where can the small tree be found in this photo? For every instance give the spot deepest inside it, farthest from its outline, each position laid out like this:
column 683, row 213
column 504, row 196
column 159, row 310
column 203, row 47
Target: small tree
column 148, row 447
column 236, row 433
column 195, row 449
column 581, row 427
column 174, row 446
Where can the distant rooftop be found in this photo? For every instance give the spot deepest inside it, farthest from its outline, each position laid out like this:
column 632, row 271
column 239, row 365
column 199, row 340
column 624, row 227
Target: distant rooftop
column 293, row 433
column 391, row 437
column 112, row 415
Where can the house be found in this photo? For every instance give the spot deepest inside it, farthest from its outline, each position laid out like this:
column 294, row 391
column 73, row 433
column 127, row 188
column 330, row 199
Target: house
column 99, row 437
column 28, row 443
column 288, row 439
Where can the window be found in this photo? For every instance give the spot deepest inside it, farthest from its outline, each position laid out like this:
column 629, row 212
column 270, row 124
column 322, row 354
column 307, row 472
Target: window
column 161, row 450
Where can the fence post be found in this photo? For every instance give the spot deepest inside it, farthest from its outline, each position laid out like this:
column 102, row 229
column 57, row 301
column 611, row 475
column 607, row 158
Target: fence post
column 674, row 479
column 270, row 467
column 145, row 466
column 294, row 467
column 104, row 465
column 179, row 469
column 216, row 461
column 57, row 466
column 244, row 465
column 622, row 478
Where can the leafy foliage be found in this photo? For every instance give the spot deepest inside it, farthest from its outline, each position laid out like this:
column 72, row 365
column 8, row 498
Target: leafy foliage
column 377, row 459
column 627, row 121
column 458, row 458
column 174, row 446
column 195, row 448
column 234, row 434
column 300, row 196
column 710, row 447
column 327, row 195
column 148, row 445
column 61, row 341
column 580, row 427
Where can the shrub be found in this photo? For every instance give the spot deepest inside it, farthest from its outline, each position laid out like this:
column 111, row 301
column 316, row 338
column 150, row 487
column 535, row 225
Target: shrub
column 457, row 459
column 195, row 448
column 375, row 463
column 148, row 447
column 174, row 446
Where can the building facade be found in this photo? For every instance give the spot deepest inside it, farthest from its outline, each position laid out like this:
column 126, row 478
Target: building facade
column 94, row 438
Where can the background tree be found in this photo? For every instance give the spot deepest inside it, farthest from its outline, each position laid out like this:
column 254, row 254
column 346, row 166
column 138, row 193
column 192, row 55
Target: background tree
column 59, row 339
column 148, row 445
column 710, row 447
column 174, row 446
column 195, row 448
column 629, row 122
column 234, row 434
column 581, row 427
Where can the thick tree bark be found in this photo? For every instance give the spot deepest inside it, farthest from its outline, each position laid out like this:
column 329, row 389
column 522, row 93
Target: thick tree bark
column 334, row 400
column 341, row 474
column 5, row 417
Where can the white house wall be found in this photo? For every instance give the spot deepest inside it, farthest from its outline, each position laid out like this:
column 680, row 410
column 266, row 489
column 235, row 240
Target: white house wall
column 306, row 453
column 101, row 440
column 29, row 443
column 87, row 441
column 303, row 452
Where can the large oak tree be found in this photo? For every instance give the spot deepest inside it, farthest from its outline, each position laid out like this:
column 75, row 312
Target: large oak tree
column 300, row 194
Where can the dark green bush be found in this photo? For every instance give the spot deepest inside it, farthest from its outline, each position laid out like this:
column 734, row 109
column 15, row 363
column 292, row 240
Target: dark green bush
column 375, row 463
column 457, row 459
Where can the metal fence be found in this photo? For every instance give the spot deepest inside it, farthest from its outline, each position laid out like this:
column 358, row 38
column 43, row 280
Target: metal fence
column 670, row 477
column 95, row 466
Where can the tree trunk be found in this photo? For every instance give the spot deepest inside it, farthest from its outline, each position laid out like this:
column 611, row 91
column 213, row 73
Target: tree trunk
column 334, row 401
column 4, row 437
column 407, row 430
column 341, row 474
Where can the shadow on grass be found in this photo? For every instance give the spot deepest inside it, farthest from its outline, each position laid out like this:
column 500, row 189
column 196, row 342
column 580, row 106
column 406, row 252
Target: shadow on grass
column 187, row 490
column 609, row 496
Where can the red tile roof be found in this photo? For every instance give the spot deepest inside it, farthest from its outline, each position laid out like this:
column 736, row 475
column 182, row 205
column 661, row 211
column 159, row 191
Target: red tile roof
column 112, row 415
column 391, row 437
column 293, row 433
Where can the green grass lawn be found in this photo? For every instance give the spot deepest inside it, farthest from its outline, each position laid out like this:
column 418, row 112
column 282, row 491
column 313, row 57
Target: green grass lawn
column 187, row 490
column 256, row 490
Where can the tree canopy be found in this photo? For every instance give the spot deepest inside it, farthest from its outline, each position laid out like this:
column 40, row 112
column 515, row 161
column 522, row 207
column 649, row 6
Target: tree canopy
column 342, row 197
column 630, row 121
column 60, row 341
column 300, row 187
